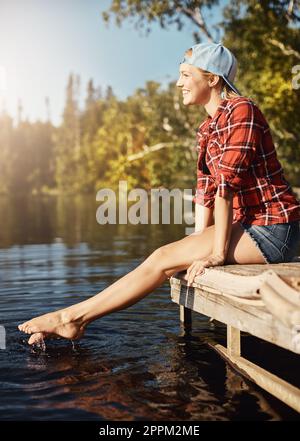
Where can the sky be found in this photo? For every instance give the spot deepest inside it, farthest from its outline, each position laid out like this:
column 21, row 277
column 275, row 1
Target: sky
column 43, row 41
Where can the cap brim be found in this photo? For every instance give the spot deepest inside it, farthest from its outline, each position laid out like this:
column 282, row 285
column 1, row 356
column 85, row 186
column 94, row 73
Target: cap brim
column 231, row 85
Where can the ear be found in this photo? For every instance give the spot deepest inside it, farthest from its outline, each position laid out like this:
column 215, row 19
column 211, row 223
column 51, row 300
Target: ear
column 213, row 81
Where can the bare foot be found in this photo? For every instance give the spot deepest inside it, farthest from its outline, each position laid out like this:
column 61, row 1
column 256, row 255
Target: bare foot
column 38, row 339
column 54, row 323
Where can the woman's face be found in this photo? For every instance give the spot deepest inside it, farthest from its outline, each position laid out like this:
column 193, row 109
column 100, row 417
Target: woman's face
column 194, row 85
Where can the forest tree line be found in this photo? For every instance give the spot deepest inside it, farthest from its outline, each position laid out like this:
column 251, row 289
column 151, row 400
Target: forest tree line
column 149, row 138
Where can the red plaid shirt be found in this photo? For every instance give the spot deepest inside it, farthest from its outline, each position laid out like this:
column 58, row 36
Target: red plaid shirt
column 236, row 152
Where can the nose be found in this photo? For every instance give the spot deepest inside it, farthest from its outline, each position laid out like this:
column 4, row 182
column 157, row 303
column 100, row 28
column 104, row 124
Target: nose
column 179, row 83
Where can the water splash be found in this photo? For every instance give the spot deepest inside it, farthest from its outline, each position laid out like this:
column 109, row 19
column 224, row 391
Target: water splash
column 39, row 343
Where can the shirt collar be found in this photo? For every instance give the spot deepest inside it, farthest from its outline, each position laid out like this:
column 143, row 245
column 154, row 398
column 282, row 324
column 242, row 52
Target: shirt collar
column 209, row 123
column 212, row 120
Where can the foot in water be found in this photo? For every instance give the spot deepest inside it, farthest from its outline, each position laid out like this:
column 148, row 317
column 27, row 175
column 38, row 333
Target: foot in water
column 38, row 339
column 56, row 323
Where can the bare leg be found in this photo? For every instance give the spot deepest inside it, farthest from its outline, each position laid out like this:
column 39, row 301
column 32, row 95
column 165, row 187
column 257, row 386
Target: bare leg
column 162, row 263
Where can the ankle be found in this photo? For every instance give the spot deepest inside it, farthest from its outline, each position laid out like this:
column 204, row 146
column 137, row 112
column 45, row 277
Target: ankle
column 69, row 315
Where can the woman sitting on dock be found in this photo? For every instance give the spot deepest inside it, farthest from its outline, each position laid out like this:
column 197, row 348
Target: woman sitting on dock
column 246, row 212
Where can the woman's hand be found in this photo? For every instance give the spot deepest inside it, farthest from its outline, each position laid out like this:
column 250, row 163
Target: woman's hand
column 197, row 267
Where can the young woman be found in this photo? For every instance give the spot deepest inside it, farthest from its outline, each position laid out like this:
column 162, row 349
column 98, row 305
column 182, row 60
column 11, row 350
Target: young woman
column 246, row 212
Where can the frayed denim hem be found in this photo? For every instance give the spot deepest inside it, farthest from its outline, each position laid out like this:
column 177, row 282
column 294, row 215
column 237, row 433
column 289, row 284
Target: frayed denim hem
column 256, row 243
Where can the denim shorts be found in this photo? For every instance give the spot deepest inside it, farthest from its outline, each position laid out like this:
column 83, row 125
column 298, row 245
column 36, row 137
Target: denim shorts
column 278, row 243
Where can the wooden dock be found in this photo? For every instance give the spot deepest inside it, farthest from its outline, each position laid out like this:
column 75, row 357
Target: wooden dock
column 262, row 300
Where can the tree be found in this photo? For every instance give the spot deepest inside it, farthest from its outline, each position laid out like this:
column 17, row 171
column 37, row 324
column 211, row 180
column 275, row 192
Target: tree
column 67, row 140
column 268, row 49
column 6, row 134
column 166, row 13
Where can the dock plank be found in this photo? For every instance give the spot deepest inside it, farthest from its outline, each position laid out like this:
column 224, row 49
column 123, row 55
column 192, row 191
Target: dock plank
column 244, row 297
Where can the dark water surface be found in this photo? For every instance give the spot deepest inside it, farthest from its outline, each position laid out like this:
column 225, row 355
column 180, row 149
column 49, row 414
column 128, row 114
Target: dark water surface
column 136, row 364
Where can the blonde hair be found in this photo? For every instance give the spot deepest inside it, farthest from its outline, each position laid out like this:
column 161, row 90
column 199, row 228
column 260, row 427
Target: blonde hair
column 225, row 88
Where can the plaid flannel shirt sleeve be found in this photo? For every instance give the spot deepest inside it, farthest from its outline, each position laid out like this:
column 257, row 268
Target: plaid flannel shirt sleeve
column 206, row 187
column 241, row 135
column 205, row 191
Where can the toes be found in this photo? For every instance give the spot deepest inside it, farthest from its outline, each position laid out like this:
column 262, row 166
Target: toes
column 36, row 339
column 32, row 330
column 25, row 327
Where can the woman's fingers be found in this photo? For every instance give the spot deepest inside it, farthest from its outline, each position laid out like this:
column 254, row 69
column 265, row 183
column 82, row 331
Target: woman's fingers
column 191, row 267
column 191, row 278
column 190, row 274
column 194, row 269
column 200, row 271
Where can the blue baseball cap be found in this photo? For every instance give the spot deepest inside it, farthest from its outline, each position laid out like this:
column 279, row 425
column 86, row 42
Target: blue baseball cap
column 215, row 58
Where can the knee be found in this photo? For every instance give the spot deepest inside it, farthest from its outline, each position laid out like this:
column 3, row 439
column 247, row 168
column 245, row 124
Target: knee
column 158, row 257
column 162, row 260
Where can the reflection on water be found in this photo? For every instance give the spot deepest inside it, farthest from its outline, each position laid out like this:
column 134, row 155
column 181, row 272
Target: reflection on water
column 135, row 364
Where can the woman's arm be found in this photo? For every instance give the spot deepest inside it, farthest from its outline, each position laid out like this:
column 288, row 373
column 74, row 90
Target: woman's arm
column 223, row 224
column 203, row 217
column 223, row 227
column 241, row 134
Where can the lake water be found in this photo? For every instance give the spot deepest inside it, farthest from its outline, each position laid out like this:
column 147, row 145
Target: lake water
column 135, row 364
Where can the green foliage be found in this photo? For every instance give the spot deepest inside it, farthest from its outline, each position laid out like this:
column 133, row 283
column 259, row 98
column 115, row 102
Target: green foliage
column 268, row 48
column 149, row 139
column 165, row 12
column 26, row 156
